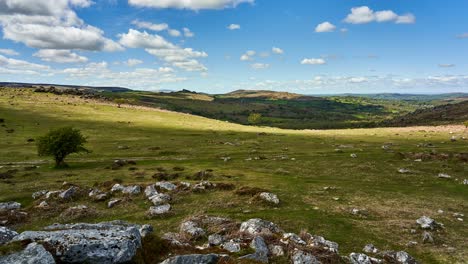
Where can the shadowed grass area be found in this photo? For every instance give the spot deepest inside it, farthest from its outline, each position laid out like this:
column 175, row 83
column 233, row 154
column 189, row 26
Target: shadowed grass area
column 296, row 165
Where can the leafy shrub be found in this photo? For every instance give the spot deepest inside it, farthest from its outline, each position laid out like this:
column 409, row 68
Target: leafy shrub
column 254, row 118
column 60, row 143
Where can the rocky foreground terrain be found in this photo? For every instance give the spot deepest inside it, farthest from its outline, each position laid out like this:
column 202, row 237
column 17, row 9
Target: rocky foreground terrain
column 201, row 238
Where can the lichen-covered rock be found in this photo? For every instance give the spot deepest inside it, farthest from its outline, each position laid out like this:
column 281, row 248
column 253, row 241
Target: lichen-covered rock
column 160, row 198
column 51, row 194
column 108, row 242
column 276, row 250
column 159, row 210
column 133, row 190
column 231, row 246
column 320, row 241
column 146, row 230
column 370, row 248
column 7, row 206
column 192, row 229
column 39, row 194
column 174, row 238
column 215, row 239
column 359, row 258
column 32, row 254
column 257, row 226
column 261, row 250
column 301, row 257
column 427, row 237
column 113, row 202
column 400, row 257
column 269, row 197
column 69, row 193
column 150, row 191
column 426, row 222
column 6, row 235
column 166, row 186
column 43, row 205
column 191, row 259
column 117, row 188
column 291, row 237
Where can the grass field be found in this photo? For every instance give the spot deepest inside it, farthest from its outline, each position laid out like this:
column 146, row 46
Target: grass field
column 296, row 165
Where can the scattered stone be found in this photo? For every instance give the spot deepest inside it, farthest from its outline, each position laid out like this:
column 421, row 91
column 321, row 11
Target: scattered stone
column 326, row 244
column 399, row 257
column 132, row 190
column 39, row 194
column 146, row 230
column 440, row 211
column 159, row 210
column 453, row 138
column 465, row 182
column 258, row 226
column 33, row 254
column 195, row 258
column 370, row 248
column 444, row 176
column 69, row 193
column 43, row 205
column 98, row 195
column 174, row 239
column 185, row 184
column 215, row 239
column 203, row 185
column 301, row 257
column 150, row 190
column 426, row 222
column 160, row 198
column 113, row 202
column 353, row 155
column 6, row 235
column 403, row 171
column 359, row 258
column 427, row 237
column 458, row 215
column 261, row 250
column 123, row 147
column 51, row 194
column 108, row 242
column 276, row 250
column 166, row 186
column 411, row 243
column 192, row 229
column 231, row 246
column 269, row 197
column 7, row 206
column 117, row 188
column 291, row 237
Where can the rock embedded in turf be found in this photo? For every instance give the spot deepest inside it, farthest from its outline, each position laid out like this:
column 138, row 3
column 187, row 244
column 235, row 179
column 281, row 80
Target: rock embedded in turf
column 7, row 206
column 231, row 246
column 195, row 258
column 258, row 226
column 302, row 257
column 33, row 254
column 370, row 248
column 400, row 257
column 117, row 188
column 261, row 250
column 150, row 190
column 6, row 234
column 444, row 176
column 359, row 258
column 39, row 194
column 160, row 198
column 353, row 155
column 427, row 237
column 133, row 190
column 69, row 193
column 166, row 186
column 269, row 197
column 326, row 244
column 108, row 242
column 426, row 222
column 43, row 205
column 192, row 229
column 276, row 250
column 145, row 230
column 215, row 239
column 404, row 171
column 159, row 210
column 113, row 202
column 291, row 237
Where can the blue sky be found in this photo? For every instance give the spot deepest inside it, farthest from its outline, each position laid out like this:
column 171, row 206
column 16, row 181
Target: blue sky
column 311, row 47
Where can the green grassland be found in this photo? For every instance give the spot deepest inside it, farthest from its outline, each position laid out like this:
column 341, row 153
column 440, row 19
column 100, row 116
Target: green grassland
column 295, row 164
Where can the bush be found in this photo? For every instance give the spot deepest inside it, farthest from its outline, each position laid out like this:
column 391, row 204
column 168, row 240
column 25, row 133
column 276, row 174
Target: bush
column 60, row 143
column 466, row 124
column 254, row 118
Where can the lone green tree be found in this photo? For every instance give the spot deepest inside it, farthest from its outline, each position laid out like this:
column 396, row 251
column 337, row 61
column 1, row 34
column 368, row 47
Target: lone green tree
column 254, row 118
column 120, row 101
column 60, row 143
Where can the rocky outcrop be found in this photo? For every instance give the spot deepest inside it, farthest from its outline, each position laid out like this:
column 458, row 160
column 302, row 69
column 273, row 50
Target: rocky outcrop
column 6, row 235
column 33, row 254
column 190, row 259
column 7, row 206
column 258, row 226
column 192, row 230
column 108, row 242
column 426, row 222
column 261, row 250
column 269, row 197
column 159, row 210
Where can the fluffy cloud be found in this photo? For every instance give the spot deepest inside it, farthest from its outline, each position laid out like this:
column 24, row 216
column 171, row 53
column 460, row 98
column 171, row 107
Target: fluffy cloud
column 313, row 61
column 9, row 52
column 60, row 56
column 188, row 33
column 133, row 62
column 150, row 26
column 51, row 25
column 13, row 66
column 276, row 50
column 260, row 66
column 446, row 65
column 363, row 15
column 190, row 4
column 325, row 27
column 184, row 58
column 174, row 33
column 233, row 27
column 248, row 55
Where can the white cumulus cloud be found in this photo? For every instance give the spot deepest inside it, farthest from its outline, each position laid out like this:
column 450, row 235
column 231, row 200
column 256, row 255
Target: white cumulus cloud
column 313, row 61
column 233, row 27
column 59, row 56
column 325, row 27
column 189, row 4
column 9, row 52
column 363, row 15
column 277, row 50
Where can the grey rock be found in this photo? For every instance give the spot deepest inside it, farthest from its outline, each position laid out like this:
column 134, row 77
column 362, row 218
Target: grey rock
column 69, row 193
column 51, row 194
column 7, row 206
column 270, row 197
column 231, row 246
column 426, row 222
column 359, row 258
column 174, row 238
column 291, row 237
column 320, row 241
column 370, row 248
column 146, row 230
column 133, row 190
column 160, row 198
column 276, row 250
column 159, row 210
column 257, row 226
column 444, row 176
column 215, row 239
column 32, row 254
column 98, row 195
column 39, row 194
column 6, row 235
column 192, row 229
column 403, row 170
column 427, row 237
column 353, row 155
column 465, row 182
column 193, row 259
column 166, row 186
column 108, row 242
column 301, row 257
column 117, row 188
column 150, row 190
column 43, row 205
column 113, row 202
column 400, row 257
column 261, row 250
